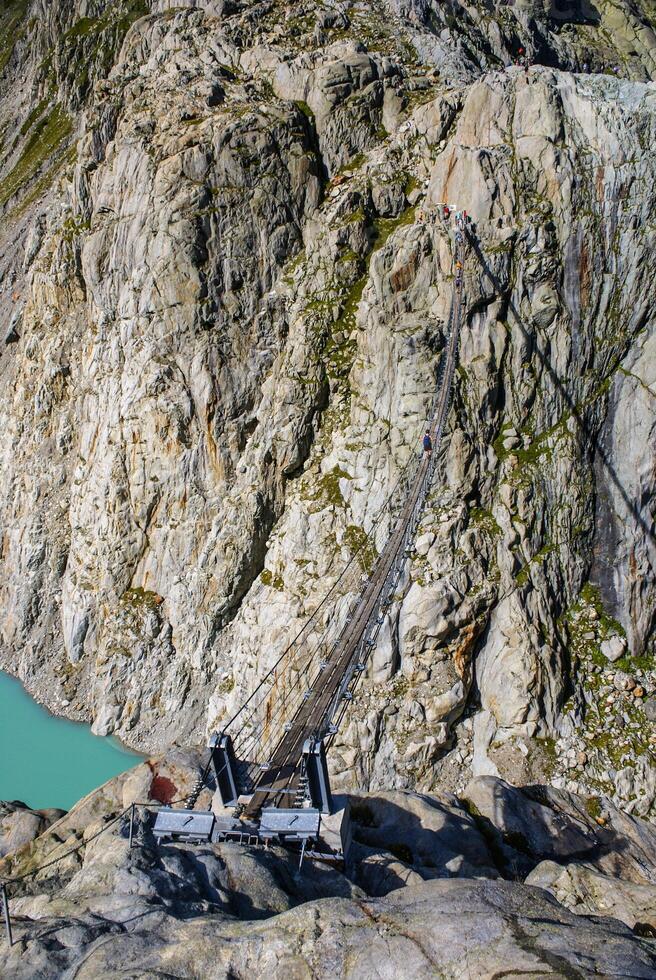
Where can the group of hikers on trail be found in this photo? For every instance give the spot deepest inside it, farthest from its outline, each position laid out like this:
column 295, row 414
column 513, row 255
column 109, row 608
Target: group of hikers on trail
column 461, row 219
column 522, row 60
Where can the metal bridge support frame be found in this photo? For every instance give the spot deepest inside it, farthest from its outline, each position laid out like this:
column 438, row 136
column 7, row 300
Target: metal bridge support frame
column 223, row 764
column 316, row 768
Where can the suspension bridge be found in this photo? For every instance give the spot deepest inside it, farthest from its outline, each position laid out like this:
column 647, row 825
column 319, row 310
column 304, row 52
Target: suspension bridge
column 269, row 761
column 267, row 767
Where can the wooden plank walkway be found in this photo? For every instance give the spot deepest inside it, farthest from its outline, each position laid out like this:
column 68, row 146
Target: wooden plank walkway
column 277, row 785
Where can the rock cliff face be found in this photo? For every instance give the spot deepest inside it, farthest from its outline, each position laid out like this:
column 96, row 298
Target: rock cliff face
column 224, row 292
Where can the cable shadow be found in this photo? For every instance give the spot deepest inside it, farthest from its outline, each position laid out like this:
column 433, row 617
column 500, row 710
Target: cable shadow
column 391, row 841
column 598, row 452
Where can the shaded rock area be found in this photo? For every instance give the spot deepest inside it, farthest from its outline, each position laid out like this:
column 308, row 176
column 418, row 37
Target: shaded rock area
column 526, row 825
column 434, row 884
column 424, row 835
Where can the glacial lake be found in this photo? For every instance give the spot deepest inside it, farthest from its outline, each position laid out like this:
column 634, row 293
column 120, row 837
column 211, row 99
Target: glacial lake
column 47, row 761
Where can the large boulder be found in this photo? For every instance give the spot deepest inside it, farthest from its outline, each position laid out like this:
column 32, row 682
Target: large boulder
column 19, row 824
column 534, row 823
column 431, row 835
column 589, row 892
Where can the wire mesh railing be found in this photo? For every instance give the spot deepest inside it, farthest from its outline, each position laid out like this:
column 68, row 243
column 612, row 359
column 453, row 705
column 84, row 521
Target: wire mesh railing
column 256, row 728
column 269, row 712
column 370, row 632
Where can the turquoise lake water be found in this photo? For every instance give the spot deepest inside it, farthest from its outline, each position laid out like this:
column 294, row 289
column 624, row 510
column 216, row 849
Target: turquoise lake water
column 47, row 761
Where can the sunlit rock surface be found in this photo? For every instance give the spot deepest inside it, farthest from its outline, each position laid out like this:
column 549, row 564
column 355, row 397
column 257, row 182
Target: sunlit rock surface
column 225, row 287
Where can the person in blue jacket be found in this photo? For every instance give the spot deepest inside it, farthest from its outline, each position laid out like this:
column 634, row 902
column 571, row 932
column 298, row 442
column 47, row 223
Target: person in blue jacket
column 428, row 443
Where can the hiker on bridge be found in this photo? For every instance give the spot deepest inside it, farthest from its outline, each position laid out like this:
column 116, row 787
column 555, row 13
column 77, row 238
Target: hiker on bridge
column 523, row 60
column 428, row 443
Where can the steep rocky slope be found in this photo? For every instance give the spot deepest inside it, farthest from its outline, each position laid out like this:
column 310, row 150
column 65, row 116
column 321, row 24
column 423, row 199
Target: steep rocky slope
column 224, row 291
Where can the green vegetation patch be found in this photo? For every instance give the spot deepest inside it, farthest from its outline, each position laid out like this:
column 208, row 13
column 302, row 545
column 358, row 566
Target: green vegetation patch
column 591, row 596
column 82, row 27
column 355, row 217
column 384, row 227
column 549, row 754
column 588, row 624
column 43, row 182
column 72, row 228
column 371, row 27
column 587, row 632
column 629, row 663
column 534, row 453
column 142, row 599
column 526, row 459
column 522, row 576
column 603, row 626
column 485, row 520
column 359, row 544
column 354, row 164
column 340, row 349
column 273, row 581
column 592, row 806
column 292, row 265
column 305, row 109
column 413, row 98
column 329, row 486
column 35, row 115
column 12, row 13
column 47, row 136
column 411, row 184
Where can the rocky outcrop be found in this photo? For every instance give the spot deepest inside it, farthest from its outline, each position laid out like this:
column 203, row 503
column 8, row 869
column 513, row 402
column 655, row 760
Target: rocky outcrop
column 435, row 927
column 461, row 37
column 19, row 825
column 426, row 891
column 586, row 891
column 405, row 838
column 539, row 822
column 225, row 290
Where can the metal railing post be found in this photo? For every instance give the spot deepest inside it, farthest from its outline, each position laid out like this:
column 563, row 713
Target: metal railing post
column 5, row 909
column 300, row 863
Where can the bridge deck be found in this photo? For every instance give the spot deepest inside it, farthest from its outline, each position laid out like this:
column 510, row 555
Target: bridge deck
column 277, row 784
